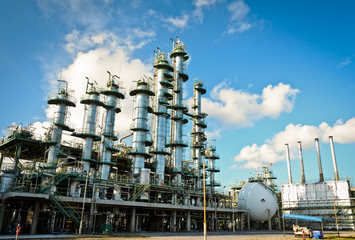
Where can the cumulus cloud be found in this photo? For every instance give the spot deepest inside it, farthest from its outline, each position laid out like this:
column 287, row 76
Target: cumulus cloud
column 242, row 109
column 94, row 64
column 94, row 55
column 273, row 150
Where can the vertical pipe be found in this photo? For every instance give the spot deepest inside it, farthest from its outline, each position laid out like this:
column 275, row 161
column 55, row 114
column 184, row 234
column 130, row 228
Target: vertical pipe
column 188, row 221
column 132, row 226
column 321, row 177
column 269, row 218
column 301, row 162
column 288, row 164
column 334, row 159
column 35, row 218
column 233, row 222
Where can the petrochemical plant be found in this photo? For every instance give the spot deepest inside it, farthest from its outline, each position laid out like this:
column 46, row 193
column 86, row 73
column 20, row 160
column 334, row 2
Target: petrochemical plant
column 103, row 184
column 51, row 185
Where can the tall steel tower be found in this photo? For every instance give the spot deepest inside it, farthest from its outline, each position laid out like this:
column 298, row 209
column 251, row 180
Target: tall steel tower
column 140, row 128
column 163, row 85
column 91, row 99
column 179, row 56
column 114, row 92
column 198, row 130
column 63, row 99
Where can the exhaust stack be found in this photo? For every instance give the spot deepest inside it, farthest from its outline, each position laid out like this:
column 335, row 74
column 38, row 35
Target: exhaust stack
column 334, row 159
column 321, row 178
column 288, row 164
column 301, row 162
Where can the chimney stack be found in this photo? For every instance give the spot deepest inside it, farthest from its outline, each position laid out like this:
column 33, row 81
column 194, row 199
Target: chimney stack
column 301, row 161
column 334, row 159
column 321, row 178
column 288, row 164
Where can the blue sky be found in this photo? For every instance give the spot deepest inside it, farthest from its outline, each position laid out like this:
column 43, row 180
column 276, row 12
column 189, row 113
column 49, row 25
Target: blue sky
column 276, row 71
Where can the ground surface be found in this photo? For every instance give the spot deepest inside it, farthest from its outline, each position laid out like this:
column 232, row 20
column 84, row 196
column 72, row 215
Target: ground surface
column 249, row 235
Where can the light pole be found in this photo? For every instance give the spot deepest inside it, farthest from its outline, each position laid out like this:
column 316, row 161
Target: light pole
column 82, row 211
column 335, row 211
column 204, row 202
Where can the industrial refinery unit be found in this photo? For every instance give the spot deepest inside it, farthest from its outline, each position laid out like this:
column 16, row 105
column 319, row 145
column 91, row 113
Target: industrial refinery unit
column 331, row 200
column 51, row 185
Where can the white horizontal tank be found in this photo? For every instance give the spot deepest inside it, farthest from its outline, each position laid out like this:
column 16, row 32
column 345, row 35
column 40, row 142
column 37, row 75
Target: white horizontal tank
column 258, row 198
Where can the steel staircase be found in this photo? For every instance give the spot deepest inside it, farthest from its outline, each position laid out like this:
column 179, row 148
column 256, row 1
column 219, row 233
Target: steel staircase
column 138, row 190
column 65, row 208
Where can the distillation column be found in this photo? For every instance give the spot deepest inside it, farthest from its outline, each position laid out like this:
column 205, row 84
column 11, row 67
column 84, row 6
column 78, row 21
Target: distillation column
column 113, row 92
column 212, row 156
column 179, row 56
column 140, row 124
column 62, row 99
column 92, row 100
column 198, row 134
column 163, row 85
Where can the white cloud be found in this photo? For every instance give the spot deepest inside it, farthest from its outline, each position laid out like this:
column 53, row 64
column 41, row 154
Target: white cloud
column 346, row 61
column 178, row 21
column 238, row 10
column 239, row 17
column 200, row 5
column 242, row 109
column 91, row 14
column 239, row 27
column 273, row 150
column 94, row 54
column 131, row 39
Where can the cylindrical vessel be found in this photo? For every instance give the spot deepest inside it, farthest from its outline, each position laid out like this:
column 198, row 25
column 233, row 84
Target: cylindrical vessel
column 144, row 176
column 176, row 141
column 162, row 82
column 7, row 182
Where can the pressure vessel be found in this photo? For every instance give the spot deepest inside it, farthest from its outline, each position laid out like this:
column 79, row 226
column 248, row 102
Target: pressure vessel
column 258, row 198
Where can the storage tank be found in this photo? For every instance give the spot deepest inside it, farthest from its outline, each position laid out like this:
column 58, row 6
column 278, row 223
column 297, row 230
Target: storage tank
column 258, row 198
